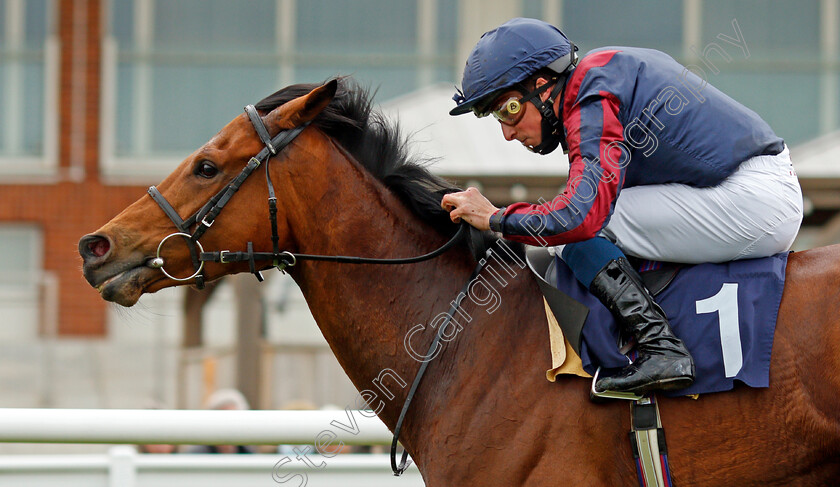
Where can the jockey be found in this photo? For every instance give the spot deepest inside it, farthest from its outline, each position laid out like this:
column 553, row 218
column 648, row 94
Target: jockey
column 663, row 166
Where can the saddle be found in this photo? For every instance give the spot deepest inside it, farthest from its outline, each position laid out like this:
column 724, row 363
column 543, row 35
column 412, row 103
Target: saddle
column 568, row 312
column 647, row 437
column 725, row 313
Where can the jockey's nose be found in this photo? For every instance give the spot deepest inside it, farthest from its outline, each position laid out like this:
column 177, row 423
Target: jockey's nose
column 508, row 131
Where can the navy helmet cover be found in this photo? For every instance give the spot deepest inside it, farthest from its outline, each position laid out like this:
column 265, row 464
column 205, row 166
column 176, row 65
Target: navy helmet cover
column 507, row 55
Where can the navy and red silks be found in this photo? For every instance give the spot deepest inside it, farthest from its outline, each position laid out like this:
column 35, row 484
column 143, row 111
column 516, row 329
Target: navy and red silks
column 636, row 117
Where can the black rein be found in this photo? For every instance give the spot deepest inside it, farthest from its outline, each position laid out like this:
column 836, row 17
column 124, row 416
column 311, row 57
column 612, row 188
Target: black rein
column 203, row 219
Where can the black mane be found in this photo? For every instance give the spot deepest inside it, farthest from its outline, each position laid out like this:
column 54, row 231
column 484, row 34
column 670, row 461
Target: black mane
column 378, row 145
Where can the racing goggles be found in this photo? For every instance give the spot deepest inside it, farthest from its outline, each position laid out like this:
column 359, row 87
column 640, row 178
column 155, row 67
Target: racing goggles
column 508, row 113
column 511, row 111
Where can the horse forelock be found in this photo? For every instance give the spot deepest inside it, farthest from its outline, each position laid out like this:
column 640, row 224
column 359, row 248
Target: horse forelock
column 378, row 145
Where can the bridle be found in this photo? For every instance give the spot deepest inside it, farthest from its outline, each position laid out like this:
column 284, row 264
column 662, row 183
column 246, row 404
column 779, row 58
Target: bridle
column 203, row 219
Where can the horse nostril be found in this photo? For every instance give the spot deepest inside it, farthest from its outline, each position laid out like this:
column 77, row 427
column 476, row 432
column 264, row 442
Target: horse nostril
column 99, row 248
column 94, row 246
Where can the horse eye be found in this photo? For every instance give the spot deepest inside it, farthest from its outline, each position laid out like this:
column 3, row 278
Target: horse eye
column 206, row 170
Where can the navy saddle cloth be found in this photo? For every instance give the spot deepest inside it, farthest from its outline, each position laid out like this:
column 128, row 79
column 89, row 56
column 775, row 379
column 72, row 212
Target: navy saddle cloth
column 725, row 314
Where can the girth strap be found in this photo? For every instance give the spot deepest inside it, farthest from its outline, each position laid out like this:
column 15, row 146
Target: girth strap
column 647, row 441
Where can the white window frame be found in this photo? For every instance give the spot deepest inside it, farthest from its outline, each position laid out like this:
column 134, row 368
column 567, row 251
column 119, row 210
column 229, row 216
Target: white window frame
column 133, row 170
column 25, row 283
column 122, row 170
column 24, row 168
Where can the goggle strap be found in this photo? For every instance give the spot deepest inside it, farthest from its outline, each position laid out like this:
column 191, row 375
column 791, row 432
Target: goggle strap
column 538, row 91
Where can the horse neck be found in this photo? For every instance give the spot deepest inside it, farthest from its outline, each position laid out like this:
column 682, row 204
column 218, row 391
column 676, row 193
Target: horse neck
column 366, row 311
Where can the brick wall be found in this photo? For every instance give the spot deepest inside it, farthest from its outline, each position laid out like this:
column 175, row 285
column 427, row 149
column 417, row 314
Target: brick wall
column 74, row 203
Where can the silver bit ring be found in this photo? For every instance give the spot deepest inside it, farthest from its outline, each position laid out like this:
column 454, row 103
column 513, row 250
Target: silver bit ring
column 158, row 260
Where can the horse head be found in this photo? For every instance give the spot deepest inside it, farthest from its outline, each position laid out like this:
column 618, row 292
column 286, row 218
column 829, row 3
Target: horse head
column 123, row 259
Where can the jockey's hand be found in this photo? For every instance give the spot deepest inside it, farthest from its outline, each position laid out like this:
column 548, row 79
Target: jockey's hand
column 470, row 206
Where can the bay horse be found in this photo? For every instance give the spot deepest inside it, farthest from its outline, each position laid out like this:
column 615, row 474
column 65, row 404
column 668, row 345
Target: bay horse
column 484, row 415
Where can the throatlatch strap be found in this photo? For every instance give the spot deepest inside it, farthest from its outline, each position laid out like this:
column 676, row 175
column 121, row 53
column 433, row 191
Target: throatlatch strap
column 206, row 215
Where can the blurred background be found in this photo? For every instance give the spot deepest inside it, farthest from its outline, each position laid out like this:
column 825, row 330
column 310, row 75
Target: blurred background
column 101, row 98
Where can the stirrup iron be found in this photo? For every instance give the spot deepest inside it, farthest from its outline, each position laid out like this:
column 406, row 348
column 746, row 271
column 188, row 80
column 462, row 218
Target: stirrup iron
column 594, row 393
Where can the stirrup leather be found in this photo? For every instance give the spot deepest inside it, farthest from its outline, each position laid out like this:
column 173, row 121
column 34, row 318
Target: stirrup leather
column 647, row 439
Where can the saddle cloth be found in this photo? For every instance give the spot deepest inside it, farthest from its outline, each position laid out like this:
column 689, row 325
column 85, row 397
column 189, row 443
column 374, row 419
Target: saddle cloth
column 725, row 314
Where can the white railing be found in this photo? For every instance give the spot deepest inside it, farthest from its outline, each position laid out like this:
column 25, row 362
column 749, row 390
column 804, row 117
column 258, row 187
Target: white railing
column 193, row 427
column 123, row 467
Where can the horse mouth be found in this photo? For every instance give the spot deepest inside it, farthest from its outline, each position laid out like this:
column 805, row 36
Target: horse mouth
column 125, row 286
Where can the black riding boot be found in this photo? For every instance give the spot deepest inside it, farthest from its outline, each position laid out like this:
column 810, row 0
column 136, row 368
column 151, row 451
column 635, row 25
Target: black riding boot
column 663, row 361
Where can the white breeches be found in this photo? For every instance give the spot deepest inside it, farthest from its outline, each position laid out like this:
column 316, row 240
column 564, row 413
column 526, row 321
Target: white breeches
column 755, row 212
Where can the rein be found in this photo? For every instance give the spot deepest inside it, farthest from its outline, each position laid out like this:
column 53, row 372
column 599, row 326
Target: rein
column 289, row 259
column 203, row 219
column 404, row 463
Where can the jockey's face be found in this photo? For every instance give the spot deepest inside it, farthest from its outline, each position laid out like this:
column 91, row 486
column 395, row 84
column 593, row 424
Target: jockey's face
column 528, row 129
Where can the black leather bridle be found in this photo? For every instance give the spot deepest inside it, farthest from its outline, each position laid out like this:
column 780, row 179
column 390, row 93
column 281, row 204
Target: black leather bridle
column 203, row 219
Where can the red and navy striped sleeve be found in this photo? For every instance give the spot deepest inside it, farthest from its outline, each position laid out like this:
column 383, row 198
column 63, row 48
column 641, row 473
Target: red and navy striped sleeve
column 596, row 170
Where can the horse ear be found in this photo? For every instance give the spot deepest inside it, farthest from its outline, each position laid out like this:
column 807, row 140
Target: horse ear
column 302, row 110
column 318, row 99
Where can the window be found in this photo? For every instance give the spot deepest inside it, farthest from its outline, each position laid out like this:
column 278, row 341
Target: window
column 773, row 29
column 176, row 72
column 789, row 77
column 21, row 280
column 653, row 24
column 780, row 80
column 28, row 84
column 20, row 246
